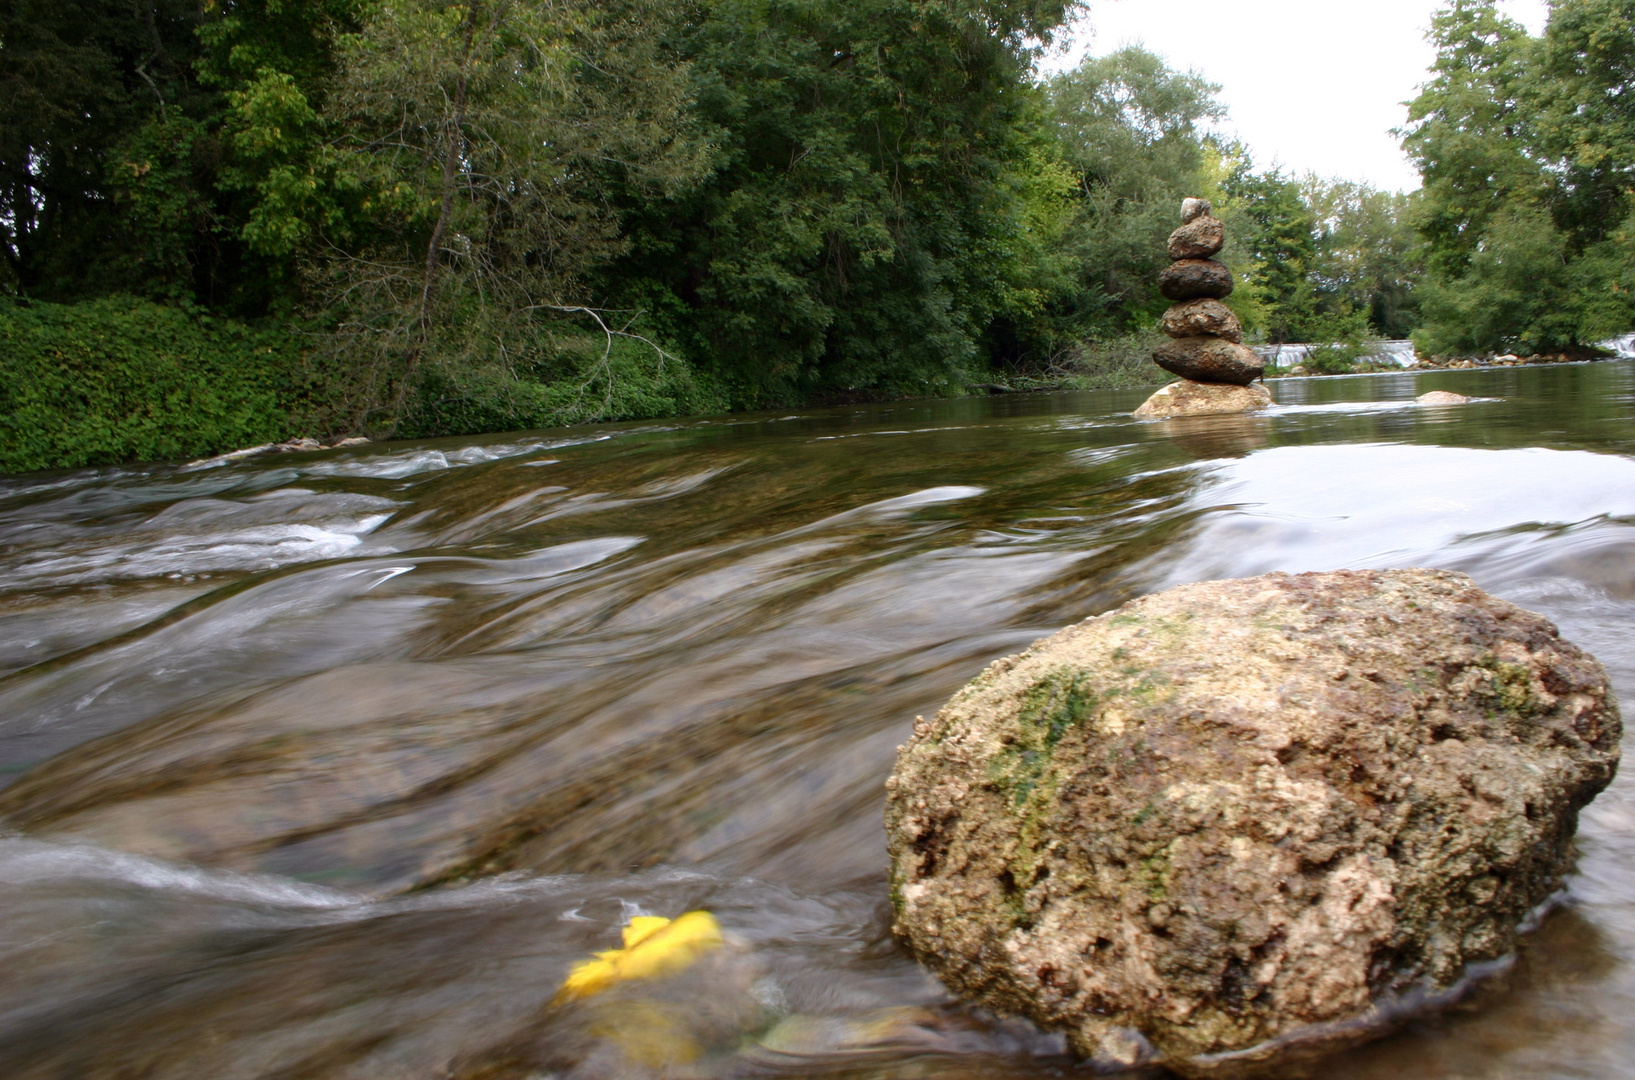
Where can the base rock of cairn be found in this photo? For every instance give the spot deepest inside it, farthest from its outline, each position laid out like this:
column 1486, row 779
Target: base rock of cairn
column 1188, row 398
column 1238, row 823
column 1207, row 351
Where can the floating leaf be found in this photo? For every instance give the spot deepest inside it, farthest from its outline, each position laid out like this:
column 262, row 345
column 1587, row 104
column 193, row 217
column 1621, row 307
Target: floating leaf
column 653, row 947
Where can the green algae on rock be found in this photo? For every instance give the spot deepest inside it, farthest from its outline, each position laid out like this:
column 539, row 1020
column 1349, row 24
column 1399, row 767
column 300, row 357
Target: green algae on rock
column 1241, row 821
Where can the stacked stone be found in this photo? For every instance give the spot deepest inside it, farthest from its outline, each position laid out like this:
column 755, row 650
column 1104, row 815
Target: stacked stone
column 1207, row 349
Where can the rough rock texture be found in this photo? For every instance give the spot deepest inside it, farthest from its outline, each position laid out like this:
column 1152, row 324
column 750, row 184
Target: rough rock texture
column 1238, row 820
column 1442, row 397
column 1202, row 318
column 1188, row 398
column 1209, row 359
column 1193, row 209
column 1198, row 239
column 1193, row 279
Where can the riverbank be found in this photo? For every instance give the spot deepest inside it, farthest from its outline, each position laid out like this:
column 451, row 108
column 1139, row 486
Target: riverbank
column 121, row 381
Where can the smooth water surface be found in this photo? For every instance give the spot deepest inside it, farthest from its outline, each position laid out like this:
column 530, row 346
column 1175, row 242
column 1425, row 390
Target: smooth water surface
column 331, row 765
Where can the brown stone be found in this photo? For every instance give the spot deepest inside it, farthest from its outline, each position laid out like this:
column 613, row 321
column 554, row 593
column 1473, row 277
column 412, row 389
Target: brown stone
column 1192, row 209
column 1188, row 398
column 1202, row 318
column 1238, row 822
column 1210, row 360
column 1194, row 279
column 1442, row 397
column 1198, row 239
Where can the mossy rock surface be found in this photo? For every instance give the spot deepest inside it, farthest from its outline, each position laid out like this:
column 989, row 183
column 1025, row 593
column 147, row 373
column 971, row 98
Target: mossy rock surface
column 1244, row 821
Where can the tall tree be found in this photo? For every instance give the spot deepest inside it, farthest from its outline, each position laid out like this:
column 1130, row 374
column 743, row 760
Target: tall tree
column 1584, row 96
column 475, row 139
column 104, row 153
column 1132, row 130
column 276, row 61
column 1367, row 256
column 1527, row 148
column 880, row 192
column 1275, row 231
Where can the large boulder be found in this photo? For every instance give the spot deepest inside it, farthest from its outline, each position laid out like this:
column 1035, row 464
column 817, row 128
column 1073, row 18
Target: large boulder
column 1188, row 398
column 1193, row 279
column 1241, row 821
column 1199, row 238
column 1202, row 318
column 1209, row 359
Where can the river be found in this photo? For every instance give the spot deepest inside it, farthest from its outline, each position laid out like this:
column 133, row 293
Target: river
column 331, row 765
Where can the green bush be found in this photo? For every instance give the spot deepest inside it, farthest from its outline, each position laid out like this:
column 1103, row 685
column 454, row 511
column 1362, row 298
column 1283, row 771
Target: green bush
column 1118, row 362
column 1336, row 359
column 120, row 379
column 574, row 380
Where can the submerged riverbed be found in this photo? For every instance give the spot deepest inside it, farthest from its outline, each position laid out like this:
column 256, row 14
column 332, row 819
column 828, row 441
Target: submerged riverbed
column 331, row 765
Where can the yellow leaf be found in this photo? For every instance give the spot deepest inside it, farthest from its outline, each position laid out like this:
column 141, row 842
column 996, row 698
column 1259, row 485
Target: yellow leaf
column 653, row 947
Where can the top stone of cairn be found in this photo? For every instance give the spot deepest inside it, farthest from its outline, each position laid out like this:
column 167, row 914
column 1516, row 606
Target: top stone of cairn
column 1193, row 209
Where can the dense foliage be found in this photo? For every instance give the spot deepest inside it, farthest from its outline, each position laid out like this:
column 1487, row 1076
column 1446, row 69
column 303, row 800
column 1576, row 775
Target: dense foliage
column 881, row 190
column 115, row 380
column 1527, row 148
column 490, row 214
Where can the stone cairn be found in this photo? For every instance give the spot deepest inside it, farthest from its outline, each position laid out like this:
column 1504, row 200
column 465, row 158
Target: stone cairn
column 1206, row 349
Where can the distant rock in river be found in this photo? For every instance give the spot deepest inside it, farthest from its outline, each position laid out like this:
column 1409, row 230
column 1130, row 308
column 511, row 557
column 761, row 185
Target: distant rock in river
column 1442, row 397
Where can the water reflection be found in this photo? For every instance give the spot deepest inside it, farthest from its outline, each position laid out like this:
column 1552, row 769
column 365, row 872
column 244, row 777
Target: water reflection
column 332, row 765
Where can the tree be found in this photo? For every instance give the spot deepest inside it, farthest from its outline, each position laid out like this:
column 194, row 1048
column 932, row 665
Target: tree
column 475, row 140
column 1468, row 130
column 104, row 156
column 1527, row 148
column 1275, row 231
column 1584, row 96
column 276, row 61
column 881, row 192
column 1367, row 255
column 1130, row 128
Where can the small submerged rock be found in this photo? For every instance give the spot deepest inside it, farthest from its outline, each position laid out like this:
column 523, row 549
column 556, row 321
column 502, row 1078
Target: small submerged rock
column 1239, row 822
column 1442, row 397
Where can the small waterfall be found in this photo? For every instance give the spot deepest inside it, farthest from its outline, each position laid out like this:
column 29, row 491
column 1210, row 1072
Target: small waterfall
column 1622, row 346
column 1400, row 353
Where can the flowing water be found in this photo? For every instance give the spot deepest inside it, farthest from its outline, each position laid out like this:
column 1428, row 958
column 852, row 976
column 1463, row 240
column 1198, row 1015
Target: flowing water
column 331, row 765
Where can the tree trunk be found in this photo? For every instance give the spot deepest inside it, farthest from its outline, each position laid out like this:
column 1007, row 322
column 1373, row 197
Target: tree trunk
column 454, row 141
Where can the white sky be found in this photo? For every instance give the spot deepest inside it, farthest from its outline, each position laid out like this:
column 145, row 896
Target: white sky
column 1312, row 85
